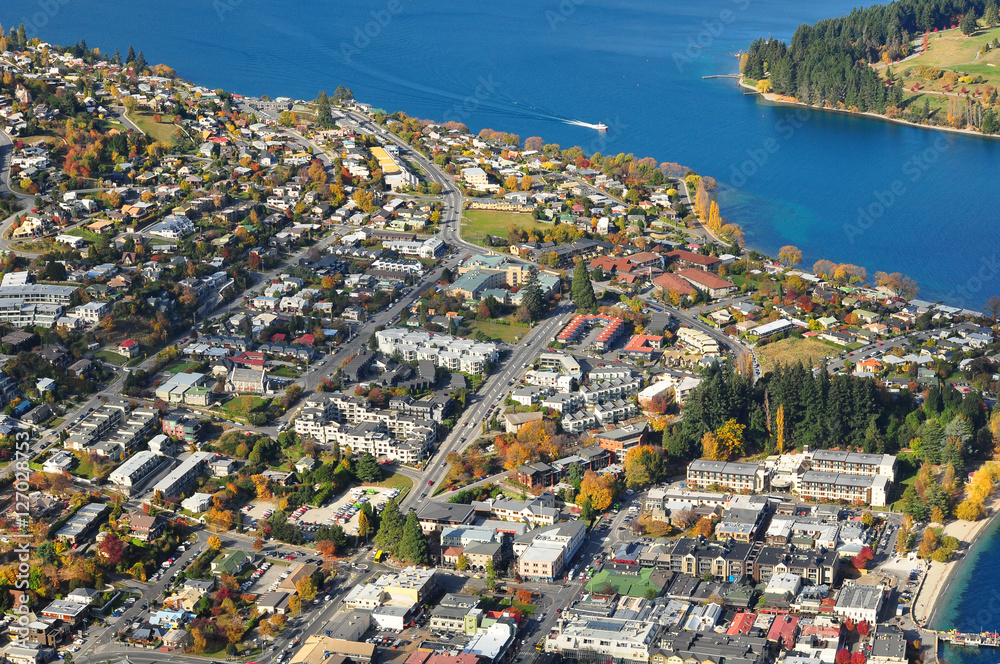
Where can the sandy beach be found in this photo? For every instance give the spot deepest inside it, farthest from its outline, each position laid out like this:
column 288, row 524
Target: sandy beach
column 939, row 576
column 774, row 99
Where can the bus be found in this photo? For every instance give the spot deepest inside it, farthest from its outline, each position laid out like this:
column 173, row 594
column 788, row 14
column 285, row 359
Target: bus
column 378, row 555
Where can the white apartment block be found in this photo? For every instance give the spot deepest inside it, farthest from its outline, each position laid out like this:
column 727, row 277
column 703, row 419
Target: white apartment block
column 452, row 353
column 698, row 341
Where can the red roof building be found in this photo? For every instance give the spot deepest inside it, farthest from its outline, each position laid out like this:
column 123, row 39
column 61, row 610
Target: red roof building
column 643, row 345
column 742, row 623
column 672, row 283
column 613, row 329
column 783, row 631
column 691, row 259
column 711, row 283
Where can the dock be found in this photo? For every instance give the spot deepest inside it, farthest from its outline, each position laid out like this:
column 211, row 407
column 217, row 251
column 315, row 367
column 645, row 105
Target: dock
column 721, row 76
column 981, row 640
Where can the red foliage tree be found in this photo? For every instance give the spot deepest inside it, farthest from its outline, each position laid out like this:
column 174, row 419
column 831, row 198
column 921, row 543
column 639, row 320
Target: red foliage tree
column 112, row 549
column 843, row 656
column 863, row 628
column 858, row 658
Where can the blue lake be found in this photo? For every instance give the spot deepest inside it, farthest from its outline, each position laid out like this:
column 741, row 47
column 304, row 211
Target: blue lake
column 885, row 196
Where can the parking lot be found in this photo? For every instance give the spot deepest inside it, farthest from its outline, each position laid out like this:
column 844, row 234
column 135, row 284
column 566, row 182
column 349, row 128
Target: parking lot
column 344, row 510
column 270, row 574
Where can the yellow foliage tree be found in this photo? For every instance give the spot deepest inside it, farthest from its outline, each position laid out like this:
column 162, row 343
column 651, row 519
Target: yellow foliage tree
column 970, row 509
column 710, row 447
column 214, row 543
column 779, row 425
column 599, row 489
column 730, row 437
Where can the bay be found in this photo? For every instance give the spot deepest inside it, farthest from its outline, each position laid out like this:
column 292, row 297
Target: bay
column 848, row 189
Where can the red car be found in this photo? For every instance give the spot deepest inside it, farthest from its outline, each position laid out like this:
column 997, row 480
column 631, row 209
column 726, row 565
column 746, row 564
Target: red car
column 430, row 483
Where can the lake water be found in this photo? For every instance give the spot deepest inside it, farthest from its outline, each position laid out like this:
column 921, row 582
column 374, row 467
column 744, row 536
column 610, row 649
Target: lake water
column 885, row 196
column 972, row 601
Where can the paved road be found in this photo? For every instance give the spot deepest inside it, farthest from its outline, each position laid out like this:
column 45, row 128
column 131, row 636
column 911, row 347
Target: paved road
column 492, row 393
column 118, row 113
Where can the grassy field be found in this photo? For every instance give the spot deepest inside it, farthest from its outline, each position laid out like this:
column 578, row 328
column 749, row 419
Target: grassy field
column 159, row 131
column 181, row 367
column 397, row 481
column 633, row 586
column 789, row 351
column 506, row 333
column 477, row 224
column 245, row 404
column 111, row 357
column 953, row 51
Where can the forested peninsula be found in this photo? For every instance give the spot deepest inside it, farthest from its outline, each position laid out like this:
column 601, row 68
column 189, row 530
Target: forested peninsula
column 929, row 62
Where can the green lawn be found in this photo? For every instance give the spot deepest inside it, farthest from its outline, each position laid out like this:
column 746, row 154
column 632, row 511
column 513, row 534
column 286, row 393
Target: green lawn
column 477, row 224
column 506, row 333
column 181, row 367
column 952, row 50
column 161, row 131
column 397, row 481
column 111, row 357
column 633, row 586
column 286, row 372
column 245, row 404
column 88, row 235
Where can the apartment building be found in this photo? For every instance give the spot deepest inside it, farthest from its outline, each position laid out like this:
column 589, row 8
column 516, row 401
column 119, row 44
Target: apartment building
column 697, row 341
column 351, row 421
column 840, row 487
column 740, row 477
column 452, row 353
column 181, row 477
column 853, row 463
column 134, row 470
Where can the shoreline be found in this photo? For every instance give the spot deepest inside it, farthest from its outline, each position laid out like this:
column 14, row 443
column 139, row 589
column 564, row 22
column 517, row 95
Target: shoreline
column 772, row 98
column 939, row 578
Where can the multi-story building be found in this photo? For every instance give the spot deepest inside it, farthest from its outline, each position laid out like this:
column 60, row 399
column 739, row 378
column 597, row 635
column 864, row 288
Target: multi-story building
column 134, row 470
column 39, row 294
column 839, row 487
column 740, row 477
column 351, row 421
column 544, row 552
column 183, row 428
column 613, row 329
column 621, row 640
column 180, row 478
column 853, row 463
column 18, row 313
column 452, row 353
column 698, row 341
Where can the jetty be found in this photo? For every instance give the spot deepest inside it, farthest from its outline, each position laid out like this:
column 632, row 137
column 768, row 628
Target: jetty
column 981, row 640
column 721, row 76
